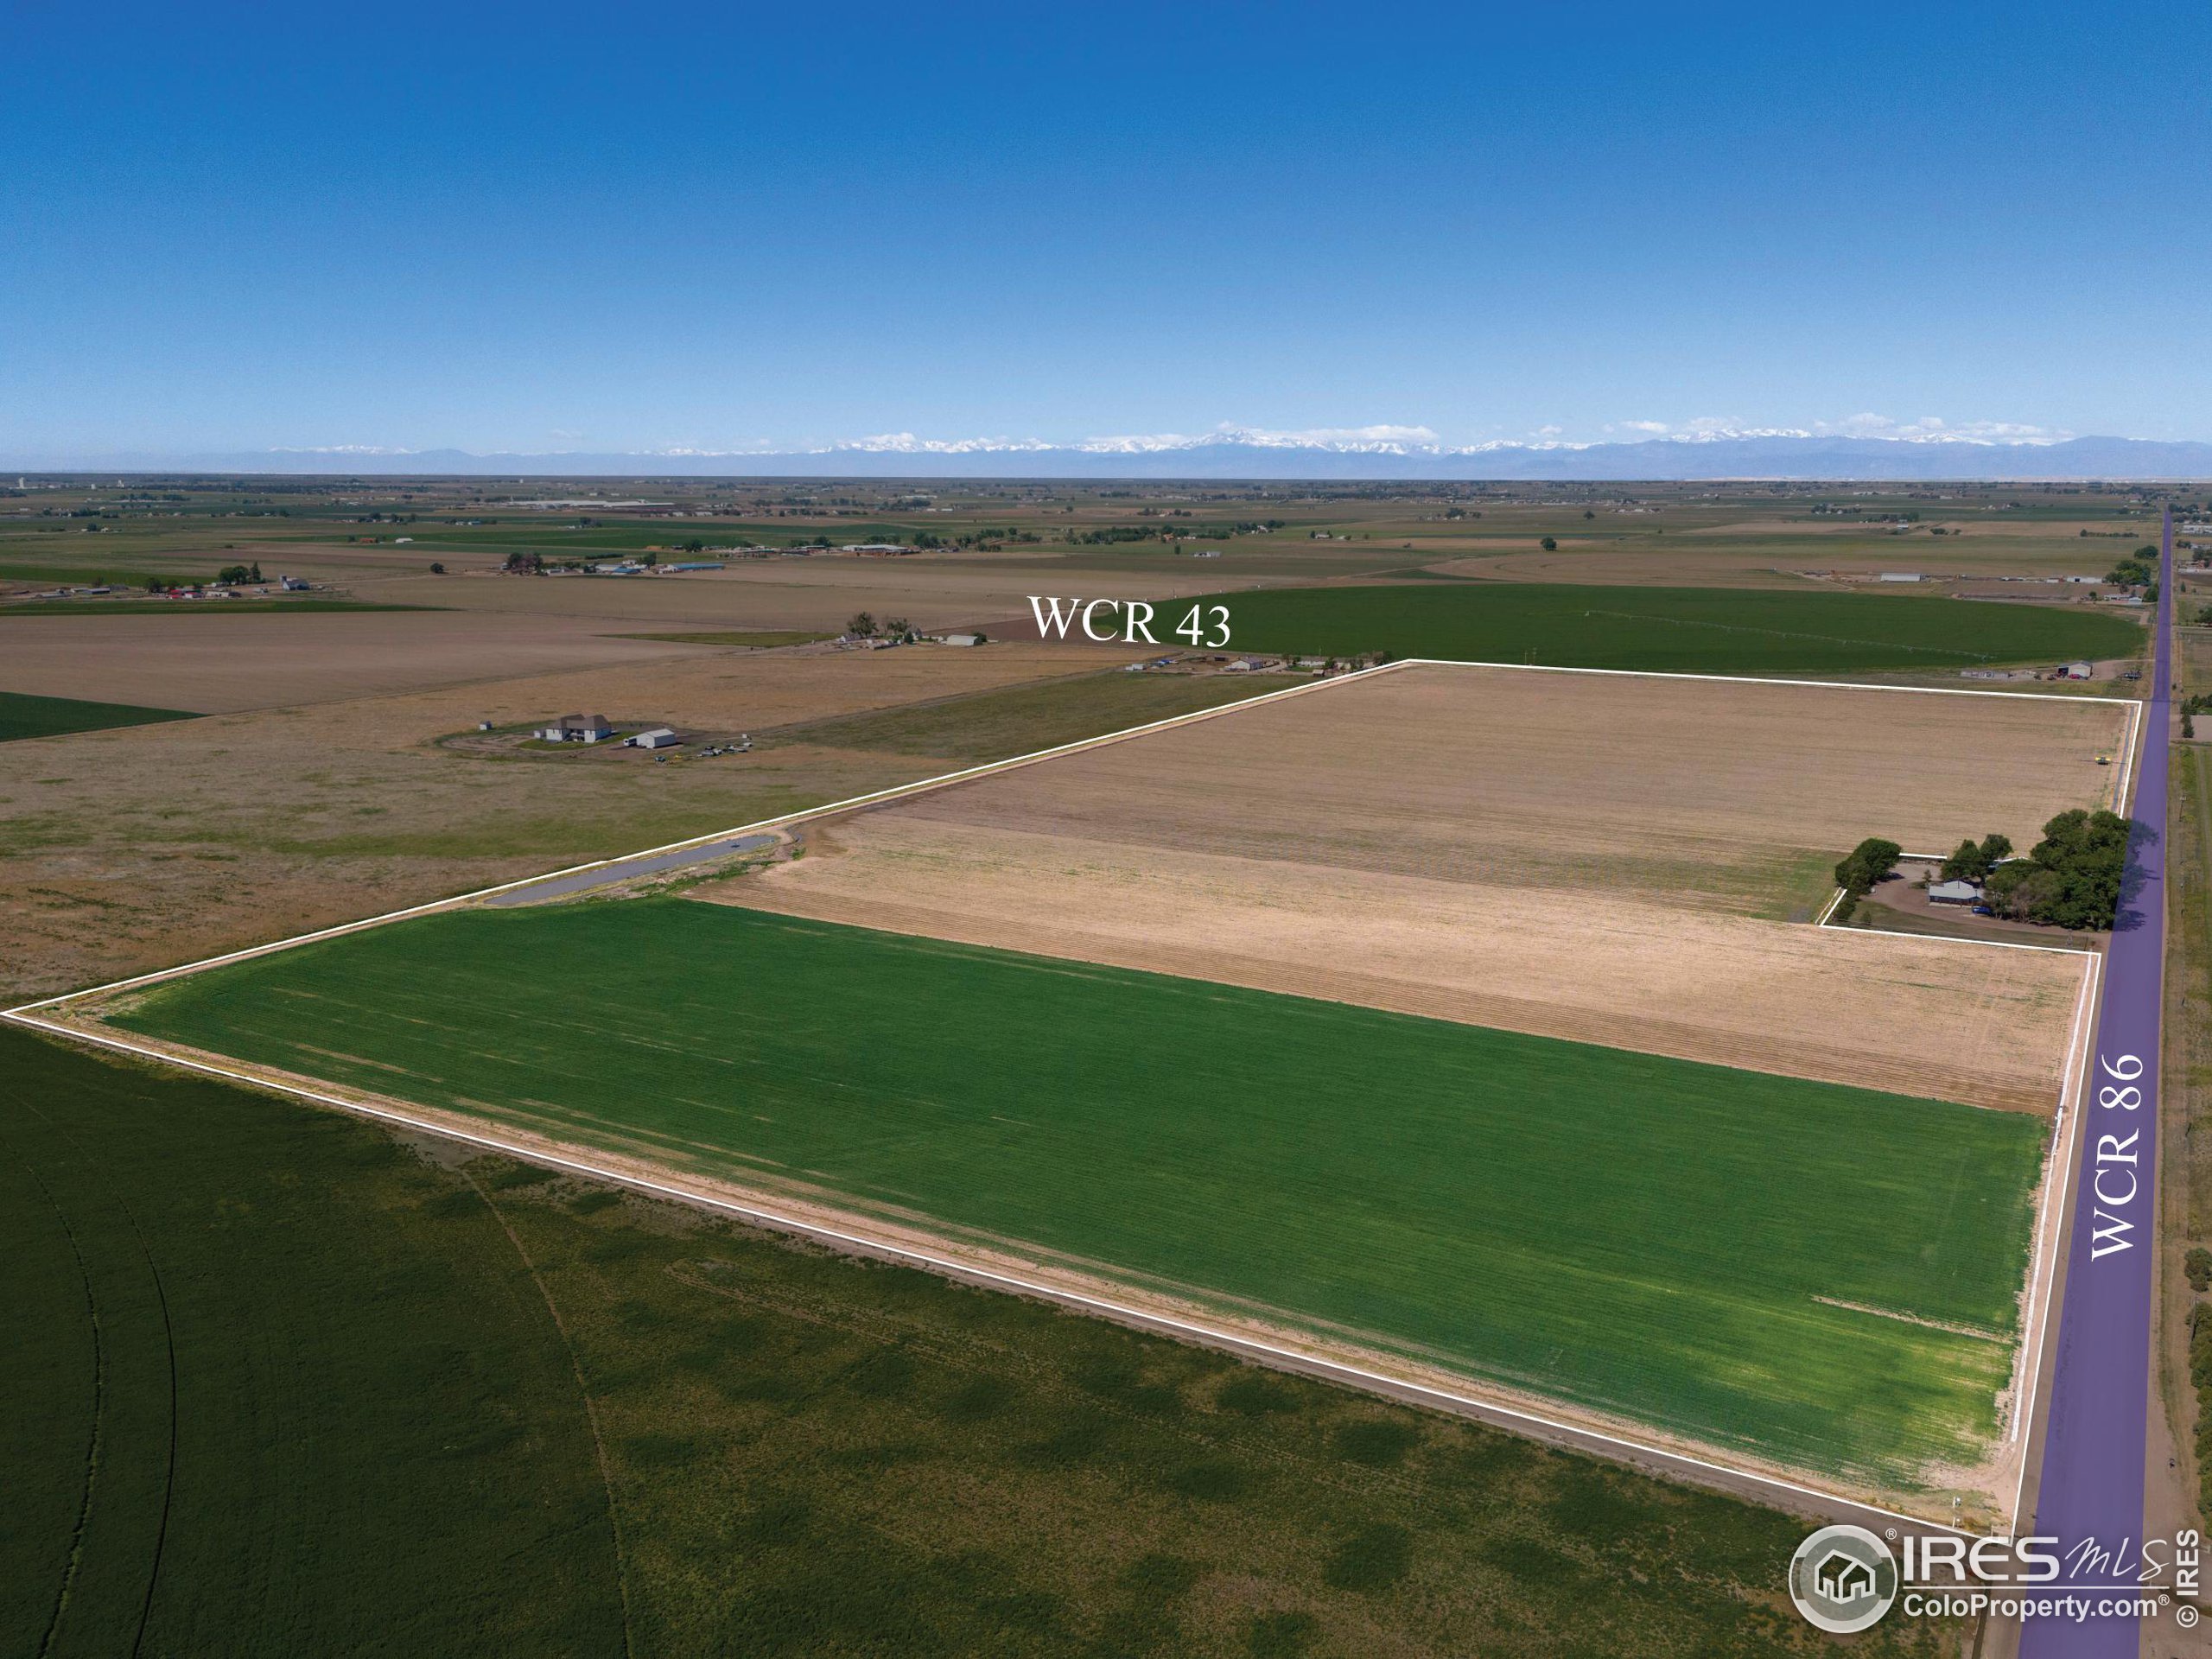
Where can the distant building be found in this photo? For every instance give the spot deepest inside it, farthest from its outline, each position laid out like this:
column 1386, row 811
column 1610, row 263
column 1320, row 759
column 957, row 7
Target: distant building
column 1954, row 892
column 2080, row 670
column 1899, row 576
column 577, row 728
column 660, row 737
column 963, row 639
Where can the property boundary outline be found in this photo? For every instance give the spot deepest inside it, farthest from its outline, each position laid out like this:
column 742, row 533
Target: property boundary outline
column 967, row 774
column 26, row 1014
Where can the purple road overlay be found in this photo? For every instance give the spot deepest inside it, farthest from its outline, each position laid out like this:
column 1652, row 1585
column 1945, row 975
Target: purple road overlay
column 2092, row 1485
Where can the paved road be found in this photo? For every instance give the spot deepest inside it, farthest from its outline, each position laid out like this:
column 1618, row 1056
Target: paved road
column 584, row 880
column 2092, row 1483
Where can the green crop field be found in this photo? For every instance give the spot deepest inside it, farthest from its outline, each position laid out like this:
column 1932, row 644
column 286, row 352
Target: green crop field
column 424, row 1407
column 23, row 715
column 1662, row 1239
column 1685, row 630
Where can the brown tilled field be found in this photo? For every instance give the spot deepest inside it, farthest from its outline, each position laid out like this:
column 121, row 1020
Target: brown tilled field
column 221, row 664
column 1615, row 859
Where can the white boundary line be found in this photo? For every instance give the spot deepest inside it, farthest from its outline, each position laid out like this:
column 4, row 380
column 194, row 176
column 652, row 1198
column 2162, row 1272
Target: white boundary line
column 23, row 1014
column 945, row 779
column 873, row 799
column 2065, row 1135
column 952, row 1266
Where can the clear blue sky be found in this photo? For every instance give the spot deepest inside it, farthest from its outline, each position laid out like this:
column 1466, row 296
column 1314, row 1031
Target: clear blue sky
column 546, row 227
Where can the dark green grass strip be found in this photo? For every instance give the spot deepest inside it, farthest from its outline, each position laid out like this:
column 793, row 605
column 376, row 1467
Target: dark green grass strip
column 1682, row 630
column 23, row 715
column 273, row 1386
column 1642, row 1235
column 382, row 1451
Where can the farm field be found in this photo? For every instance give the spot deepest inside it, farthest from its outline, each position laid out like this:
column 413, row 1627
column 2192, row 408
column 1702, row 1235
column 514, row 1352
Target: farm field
column 997, row 725
column 141, row 847
column 218, row 662
column 1707, row 1250
column 1685, row 630
column 23, row 717
column 932, row 591
column 802, row 1453
column 1605, row 858
column 255, row 1356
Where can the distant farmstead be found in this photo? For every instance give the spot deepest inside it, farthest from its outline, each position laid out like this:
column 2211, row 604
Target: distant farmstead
column 577, row 728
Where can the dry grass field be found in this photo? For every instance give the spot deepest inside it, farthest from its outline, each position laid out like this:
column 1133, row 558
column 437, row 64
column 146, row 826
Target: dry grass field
column 1618, row 860
column 119, row 854
column 221, row 664
column 929, row 590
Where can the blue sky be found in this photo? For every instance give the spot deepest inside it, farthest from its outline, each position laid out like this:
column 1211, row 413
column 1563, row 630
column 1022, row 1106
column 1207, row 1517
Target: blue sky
column 553, row 228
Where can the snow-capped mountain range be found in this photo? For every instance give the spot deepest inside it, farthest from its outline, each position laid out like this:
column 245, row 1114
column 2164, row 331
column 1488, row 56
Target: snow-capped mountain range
column 1927, row 450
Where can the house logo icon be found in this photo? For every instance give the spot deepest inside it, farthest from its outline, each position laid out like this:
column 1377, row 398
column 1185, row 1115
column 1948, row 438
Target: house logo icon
column 1843, row 1579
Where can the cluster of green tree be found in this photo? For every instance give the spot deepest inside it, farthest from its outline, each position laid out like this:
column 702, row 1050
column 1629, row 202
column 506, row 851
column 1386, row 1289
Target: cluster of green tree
column 230, row 575
column 524, row 564
column 2193, row 706
column 2071, row 878
column 1975, row 859
column 2139, row 569
column 1867, row 863
column 1107, row 535
column 2198, row 1267
column 893, row 627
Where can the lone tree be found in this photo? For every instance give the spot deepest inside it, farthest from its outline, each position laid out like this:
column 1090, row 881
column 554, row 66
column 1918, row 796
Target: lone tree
column 861, row 623
column 1548, row 544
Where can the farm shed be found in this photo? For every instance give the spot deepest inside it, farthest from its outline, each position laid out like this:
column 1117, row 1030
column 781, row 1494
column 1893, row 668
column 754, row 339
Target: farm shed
column 1954, row 892
column 660, row 737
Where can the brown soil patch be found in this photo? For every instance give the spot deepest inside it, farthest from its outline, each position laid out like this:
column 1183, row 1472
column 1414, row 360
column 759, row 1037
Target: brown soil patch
column 1596, row 857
